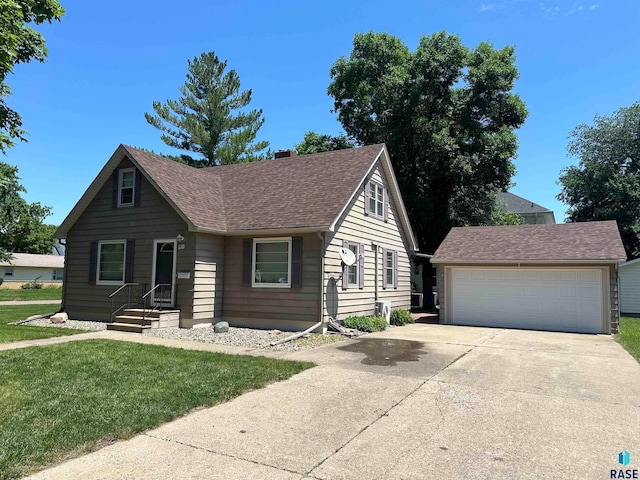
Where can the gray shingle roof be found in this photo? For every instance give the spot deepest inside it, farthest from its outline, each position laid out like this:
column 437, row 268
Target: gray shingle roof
column 296, row 192
column 595, row 241
column 515, row 204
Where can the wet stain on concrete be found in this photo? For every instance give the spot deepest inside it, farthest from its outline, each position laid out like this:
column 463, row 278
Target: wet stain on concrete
column 386, row 352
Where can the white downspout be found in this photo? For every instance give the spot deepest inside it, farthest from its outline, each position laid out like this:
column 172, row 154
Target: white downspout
column 321, row 321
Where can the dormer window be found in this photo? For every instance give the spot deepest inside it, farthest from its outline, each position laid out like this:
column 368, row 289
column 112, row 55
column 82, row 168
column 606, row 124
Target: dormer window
column 126, row 187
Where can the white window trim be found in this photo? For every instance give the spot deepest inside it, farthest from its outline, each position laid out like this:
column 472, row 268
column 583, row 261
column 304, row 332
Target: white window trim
column 374, row 213
column 253, row 263
column 121, row 173
column 386, row 268
column 124, row 262
column 7, row 270
column 356, row 265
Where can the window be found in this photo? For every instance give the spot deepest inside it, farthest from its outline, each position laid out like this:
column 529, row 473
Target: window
column 271, row 262
column 376, row 200
column 126, row 187
column 57, row 274
column 111, row 258
column 389, row 268
column 353, row 272
column 8, row 272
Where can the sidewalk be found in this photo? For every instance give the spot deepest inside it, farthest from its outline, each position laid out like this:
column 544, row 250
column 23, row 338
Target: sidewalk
column 31, row 302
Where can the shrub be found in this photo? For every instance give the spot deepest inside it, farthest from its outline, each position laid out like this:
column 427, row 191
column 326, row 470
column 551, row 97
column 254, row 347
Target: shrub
column 400, row 317
column 32, row 285
column 366, row 324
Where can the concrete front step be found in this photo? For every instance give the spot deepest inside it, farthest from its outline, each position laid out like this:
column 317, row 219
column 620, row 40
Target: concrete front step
column 128, row 327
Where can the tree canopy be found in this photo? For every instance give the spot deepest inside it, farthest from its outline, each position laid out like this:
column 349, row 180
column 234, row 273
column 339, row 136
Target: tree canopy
column 605, row 185
column 21, row 224
column 20, row 43
column 210, row 118
column 315, row 143
column 447, row 114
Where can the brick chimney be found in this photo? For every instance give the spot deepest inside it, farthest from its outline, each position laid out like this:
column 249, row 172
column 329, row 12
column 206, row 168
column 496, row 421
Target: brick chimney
column 285, row 154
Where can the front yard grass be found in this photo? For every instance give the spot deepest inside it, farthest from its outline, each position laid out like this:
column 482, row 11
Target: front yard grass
column 14, row 333
column 46, row 293
column 64, row 400
column 629, row 335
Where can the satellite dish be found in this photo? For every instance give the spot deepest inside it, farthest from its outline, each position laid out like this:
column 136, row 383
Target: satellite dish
column 347, row 256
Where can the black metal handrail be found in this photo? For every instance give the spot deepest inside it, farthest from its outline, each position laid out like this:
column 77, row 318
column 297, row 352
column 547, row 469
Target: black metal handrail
column 147, row 306
column 126, row 296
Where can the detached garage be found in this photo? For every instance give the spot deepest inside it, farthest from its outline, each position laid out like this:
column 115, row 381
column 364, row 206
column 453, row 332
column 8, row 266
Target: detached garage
column 542, row 277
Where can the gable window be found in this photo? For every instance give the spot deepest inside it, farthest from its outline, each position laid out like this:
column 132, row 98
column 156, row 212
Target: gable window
column 57, row 274
column 271, row 265
column 376, row 199
column 8, row 272
column 111, row 262
column 126, row 187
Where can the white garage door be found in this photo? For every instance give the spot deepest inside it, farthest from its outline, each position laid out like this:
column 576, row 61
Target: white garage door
column 542, row 299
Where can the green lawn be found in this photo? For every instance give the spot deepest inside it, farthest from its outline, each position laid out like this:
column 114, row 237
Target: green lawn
column 13, row 333
column 47, row 293
column 63, row 400
column 629, row 335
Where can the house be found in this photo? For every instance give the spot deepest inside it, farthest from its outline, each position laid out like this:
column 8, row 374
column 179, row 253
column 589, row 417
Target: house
column 26, row 267
column 543, row 277
column 254, row 244
column 531, row 213
column 630, row 287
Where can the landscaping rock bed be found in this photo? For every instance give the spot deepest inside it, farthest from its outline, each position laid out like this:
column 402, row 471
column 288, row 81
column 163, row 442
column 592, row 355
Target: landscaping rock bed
column 247, row 337
column 75, row 324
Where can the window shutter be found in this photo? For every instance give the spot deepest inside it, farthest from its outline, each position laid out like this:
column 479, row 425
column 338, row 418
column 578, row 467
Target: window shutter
column 128, row 265
column 385, row 196
column 366, row 197
column 247, row 254
column 93, row 262
column 384, row 267
column 114, row 199
column 361, row 266
column 345, row 269
column 395, row 269
column 296, row 262
column 137, row 188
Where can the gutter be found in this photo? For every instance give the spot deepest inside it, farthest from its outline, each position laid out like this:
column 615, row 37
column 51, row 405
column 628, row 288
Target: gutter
column 518, row 262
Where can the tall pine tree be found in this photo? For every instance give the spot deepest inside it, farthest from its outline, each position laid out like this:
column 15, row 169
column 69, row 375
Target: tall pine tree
column 210, row 118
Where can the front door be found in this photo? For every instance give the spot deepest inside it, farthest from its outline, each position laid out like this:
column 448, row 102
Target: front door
column 164, row 272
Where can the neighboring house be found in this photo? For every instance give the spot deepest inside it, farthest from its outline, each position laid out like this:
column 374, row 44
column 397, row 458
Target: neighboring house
column 544, row 277
column 255, row 244
column 531, row 213
column 26, row 267
column 630, row 287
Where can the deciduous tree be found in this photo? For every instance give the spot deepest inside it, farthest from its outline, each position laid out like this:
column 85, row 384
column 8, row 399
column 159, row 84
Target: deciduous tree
column 605, row 185
column 447, row 114
column 315, row 143
column 210, row 118
column 21, row 224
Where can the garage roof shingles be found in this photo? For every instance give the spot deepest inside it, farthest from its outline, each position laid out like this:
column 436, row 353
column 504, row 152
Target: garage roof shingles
column 305, row 191
column 586, row 241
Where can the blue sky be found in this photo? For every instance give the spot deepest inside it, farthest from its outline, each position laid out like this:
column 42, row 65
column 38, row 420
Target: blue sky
column 108, row 62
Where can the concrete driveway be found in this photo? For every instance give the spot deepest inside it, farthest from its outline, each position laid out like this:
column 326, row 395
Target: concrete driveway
column 420, row 401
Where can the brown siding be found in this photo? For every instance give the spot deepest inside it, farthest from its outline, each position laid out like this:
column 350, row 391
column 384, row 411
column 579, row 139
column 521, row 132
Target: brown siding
column 287, row 309
column 355, row 226
column 152, row 219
